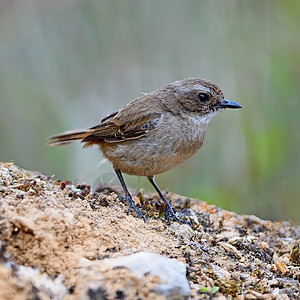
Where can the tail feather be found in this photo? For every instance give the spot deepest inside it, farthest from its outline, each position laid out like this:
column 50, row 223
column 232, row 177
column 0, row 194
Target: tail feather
column 68, row 137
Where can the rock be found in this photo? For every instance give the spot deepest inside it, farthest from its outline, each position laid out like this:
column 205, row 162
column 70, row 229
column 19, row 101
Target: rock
column 182, row 231
column 74, row 244
column 220, row 273
column 231, row 249
column 53, row 288
column 172, row 281
column 19, row 282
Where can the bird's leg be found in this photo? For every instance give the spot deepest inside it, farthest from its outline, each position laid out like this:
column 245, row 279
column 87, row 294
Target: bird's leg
column 169, row 212
column 128, row 197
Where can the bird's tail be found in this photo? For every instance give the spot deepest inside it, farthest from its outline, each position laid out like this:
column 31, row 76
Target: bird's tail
column 68, row 137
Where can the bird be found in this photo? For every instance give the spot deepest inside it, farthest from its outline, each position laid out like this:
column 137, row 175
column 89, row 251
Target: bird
column 155, row 132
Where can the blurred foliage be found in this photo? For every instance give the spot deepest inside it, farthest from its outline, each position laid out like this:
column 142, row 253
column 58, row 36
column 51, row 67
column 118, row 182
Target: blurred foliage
column 66, row 64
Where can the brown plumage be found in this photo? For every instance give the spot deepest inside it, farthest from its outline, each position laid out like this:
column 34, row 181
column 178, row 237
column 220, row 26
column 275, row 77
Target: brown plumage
column 156, row 131
column 69, row 137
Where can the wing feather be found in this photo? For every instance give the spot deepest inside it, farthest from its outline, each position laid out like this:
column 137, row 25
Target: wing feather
column 133, row 121
column 112, row 131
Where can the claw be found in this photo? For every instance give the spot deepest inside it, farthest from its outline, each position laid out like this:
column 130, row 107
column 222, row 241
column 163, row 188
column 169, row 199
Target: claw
column 169, row 212
column 131, row 203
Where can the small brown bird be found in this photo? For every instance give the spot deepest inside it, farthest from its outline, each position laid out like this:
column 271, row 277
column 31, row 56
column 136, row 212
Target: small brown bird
column 155, row 132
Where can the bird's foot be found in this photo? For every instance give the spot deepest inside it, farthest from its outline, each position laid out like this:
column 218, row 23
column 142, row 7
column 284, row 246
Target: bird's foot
column 169, row 212
column 131, row 203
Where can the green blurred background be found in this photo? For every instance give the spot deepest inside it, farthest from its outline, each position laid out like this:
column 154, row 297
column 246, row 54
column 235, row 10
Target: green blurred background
column 66, row 64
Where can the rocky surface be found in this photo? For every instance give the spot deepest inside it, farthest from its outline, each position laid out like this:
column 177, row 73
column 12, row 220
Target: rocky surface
column 61, row 241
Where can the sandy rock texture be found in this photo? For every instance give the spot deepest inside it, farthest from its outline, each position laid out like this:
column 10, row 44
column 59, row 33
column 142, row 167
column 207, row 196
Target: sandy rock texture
column 61, row 241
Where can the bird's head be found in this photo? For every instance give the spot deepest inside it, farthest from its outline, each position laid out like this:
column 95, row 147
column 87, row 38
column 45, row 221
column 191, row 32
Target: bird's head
column 196, row 96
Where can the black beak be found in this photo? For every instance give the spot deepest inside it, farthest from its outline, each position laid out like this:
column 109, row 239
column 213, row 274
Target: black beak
column 229, row 104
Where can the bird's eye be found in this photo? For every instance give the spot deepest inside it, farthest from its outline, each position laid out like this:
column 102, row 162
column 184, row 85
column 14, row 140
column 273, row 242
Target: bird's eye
column 203, row 97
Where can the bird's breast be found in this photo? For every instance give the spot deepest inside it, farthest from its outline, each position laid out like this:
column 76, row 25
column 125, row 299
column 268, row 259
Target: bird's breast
column 173, row 141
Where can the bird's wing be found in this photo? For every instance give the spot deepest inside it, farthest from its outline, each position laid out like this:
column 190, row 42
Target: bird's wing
column 118, row 127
